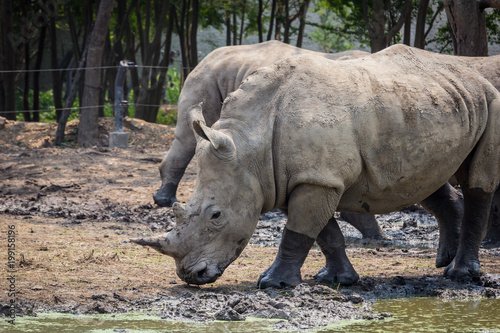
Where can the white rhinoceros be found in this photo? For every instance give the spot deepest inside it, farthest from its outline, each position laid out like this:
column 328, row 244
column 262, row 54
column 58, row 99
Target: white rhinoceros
column 217, row 75
column 311, row 136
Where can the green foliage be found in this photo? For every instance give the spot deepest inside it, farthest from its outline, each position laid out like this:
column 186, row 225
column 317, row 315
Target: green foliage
column 168, row 116
column 48, row 112
column 173, row 88
column 344, row 19
column 325, row 35
column 493, row 26
column 443, row 39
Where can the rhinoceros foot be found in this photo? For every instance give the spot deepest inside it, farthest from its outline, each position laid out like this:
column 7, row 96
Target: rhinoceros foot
column 463, row 270
column 331, row 275
column 445, row 256
column 165, row 196
column 280, row 276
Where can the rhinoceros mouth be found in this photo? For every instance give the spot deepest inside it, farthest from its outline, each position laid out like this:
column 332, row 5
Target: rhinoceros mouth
column 201, row 273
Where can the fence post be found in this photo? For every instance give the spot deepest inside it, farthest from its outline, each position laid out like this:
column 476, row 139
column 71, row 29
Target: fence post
column 119, row 138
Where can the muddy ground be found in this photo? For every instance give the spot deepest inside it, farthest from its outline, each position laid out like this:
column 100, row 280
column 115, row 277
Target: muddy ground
column 74, row 211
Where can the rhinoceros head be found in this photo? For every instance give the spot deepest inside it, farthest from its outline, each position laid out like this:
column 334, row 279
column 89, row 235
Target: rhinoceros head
column 217, row 223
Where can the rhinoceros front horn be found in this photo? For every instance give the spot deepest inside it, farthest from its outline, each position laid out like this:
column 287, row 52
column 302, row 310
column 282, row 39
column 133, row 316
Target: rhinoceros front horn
column 160, row 243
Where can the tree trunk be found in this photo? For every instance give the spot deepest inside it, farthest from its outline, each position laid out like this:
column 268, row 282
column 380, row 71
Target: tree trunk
column 193, row 35
column 148, row 83
column 75, row 84
column 303, row 13
column 8, row 61
column 271, row 20
column 259, row 20
column 279, row 18
column 180, row 21
column 397, row 27
column 376, row 25
column 235, row 28
column 407, row 31
column 468, row 27
column 166, row 59
column 36, row 75
column 288, row 24
column 420, row 25
column 88, row 129
column 56, row 79
column 242, row 25
column 228, row 28
column 26, row 104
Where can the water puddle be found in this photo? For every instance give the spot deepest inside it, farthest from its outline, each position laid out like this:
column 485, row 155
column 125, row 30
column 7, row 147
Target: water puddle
column 430, row 315
column 125, row 323
column 408, row 315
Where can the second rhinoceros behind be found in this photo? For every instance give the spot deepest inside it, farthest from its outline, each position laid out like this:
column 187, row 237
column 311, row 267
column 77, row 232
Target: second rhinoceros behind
column 310, row 136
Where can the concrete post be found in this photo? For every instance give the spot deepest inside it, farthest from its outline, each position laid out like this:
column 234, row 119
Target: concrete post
column 119, row 138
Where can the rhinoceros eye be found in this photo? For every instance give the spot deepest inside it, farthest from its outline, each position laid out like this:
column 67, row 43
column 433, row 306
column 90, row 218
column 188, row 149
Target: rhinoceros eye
column 215, row 215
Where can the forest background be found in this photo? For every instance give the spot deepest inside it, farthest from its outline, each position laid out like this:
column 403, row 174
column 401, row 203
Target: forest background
column 59, row 58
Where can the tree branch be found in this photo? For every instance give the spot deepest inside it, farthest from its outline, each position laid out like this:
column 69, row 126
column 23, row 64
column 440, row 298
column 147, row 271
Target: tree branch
column 483, row 4
column 401, row 21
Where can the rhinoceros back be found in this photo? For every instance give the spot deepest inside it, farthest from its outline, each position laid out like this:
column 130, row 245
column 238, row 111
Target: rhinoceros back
column 380, row 128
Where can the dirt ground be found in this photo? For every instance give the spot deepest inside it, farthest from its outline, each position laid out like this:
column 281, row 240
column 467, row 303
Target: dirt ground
column 74, row 211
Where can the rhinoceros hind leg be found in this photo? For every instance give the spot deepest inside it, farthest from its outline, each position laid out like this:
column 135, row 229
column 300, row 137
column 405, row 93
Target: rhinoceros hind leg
column 447, row 207
column 476, row 210
column 338, row 268
column 165, row 196
column 285, row 270
column 366, row 224
column 492, row 238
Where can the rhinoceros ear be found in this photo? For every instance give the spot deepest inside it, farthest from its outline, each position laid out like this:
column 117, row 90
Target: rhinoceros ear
column 221, row 142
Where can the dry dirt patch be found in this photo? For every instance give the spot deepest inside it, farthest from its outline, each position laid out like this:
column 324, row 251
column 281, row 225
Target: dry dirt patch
column 75, row 210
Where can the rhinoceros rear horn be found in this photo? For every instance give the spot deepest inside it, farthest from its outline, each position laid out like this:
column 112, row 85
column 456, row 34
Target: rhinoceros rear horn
column 179, row 213
column 221, row 142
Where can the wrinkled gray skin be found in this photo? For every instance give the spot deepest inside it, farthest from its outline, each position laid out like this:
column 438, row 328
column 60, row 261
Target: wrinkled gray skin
column 369, row 135
column 222, row 71
column 216, row 76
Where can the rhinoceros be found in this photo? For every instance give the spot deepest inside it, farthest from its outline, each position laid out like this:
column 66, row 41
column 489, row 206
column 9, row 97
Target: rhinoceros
column 217, row 75
column 311, row 136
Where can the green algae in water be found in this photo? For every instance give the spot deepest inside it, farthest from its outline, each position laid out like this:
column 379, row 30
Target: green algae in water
column 430, row 315
column 129, row 323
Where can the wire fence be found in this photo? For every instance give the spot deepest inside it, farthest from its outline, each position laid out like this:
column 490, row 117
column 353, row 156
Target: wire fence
column 79, row 108
column 82, row 108
column 77, row 69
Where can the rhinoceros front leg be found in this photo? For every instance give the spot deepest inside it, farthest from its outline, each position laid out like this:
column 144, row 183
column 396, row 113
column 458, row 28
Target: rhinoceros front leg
column 285, row 271
column 309, row 209
column 338, row 268
column 174, row 164
column 476, row 211
column 447, row 207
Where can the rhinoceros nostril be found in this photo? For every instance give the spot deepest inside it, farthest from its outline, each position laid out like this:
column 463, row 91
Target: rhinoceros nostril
column 199, row 270
column 201, row 273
